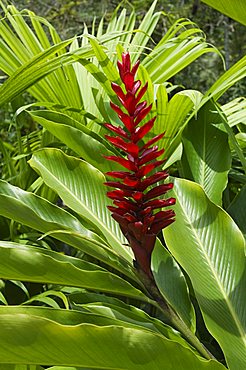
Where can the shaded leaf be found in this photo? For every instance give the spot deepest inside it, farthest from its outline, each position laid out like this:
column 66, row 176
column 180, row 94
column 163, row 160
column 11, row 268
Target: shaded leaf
column 172, row 284
column 206, row 156
column 237, row 210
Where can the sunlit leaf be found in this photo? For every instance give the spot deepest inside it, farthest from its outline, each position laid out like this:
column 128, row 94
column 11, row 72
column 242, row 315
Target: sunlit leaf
column 211, row 249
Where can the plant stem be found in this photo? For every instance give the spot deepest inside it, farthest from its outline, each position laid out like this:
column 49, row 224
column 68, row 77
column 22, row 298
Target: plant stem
column 172, row 316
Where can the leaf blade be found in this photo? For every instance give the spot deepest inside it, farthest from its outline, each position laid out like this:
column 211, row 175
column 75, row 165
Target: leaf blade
column 212, row 242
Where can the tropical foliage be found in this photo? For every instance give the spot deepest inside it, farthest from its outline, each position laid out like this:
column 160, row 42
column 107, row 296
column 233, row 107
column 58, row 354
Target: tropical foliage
column 74, row 294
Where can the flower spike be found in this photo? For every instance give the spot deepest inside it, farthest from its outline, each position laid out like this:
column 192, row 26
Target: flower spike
column 135, row 195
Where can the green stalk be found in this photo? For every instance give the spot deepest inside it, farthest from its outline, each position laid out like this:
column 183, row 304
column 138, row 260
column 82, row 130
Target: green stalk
column 172, row 316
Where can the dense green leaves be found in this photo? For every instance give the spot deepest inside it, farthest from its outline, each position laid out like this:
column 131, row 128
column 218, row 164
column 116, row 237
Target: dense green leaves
column 211, row 249
column 40, row 340
column 72, row 80
column 39, row 214
column 181, row 45
column 87, row 144
column 172, row 117
column 27, row 263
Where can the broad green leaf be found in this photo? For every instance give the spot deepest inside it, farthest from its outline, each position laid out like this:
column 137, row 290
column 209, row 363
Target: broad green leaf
column 79, row 138
column 81, row 188
column 29, row 263
column 237, row 210
column 40, row 340
column 209, row 246
column 234, row 9
column 172, row 284
column 87, row 316
column 206, row 154
column 39, row 214
column 132, row 315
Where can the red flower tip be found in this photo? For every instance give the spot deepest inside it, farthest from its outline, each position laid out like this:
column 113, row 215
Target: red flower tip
column 135, row 203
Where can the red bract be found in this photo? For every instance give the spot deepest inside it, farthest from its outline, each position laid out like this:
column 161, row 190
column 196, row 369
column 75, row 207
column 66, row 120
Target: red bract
column 134, row 197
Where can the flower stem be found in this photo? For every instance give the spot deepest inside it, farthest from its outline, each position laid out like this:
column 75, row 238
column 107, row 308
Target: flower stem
column 172, row 316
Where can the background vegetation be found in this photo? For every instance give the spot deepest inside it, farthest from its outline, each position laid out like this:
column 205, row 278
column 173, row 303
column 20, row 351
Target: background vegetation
column 69, row 17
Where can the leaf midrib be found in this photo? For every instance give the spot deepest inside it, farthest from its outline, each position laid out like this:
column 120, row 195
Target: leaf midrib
column 230, row 306
column 102, row 225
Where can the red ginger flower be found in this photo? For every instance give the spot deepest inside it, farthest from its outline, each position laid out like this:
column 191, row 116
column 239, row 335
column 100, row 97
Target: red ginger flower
column 135, row 204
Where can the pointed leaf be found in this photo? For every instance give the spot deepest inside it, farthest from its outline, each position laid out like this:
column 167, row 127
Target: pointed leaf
column 81, row 188
column 83, row 141
column 40, row 340
column 206, row 154
column 172, row 284
column 28, row 263
column 211, row 249
column 39, row 214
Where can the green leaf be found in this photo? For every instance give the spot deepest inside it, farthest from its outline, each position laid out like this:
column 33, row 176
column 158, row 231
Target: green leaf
column 145, row 30
column 235, row 10
column 181, row 45
column 131, row 315
column 78, row 137
column 39, row 340
column 171, row 118
column 172, row 284
column 209, row 246
column 39, row 214
column 32, row 71
column 206, row 156
column 235, row 111
column 29, row 263
column 234, row 74
column 81, row 188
